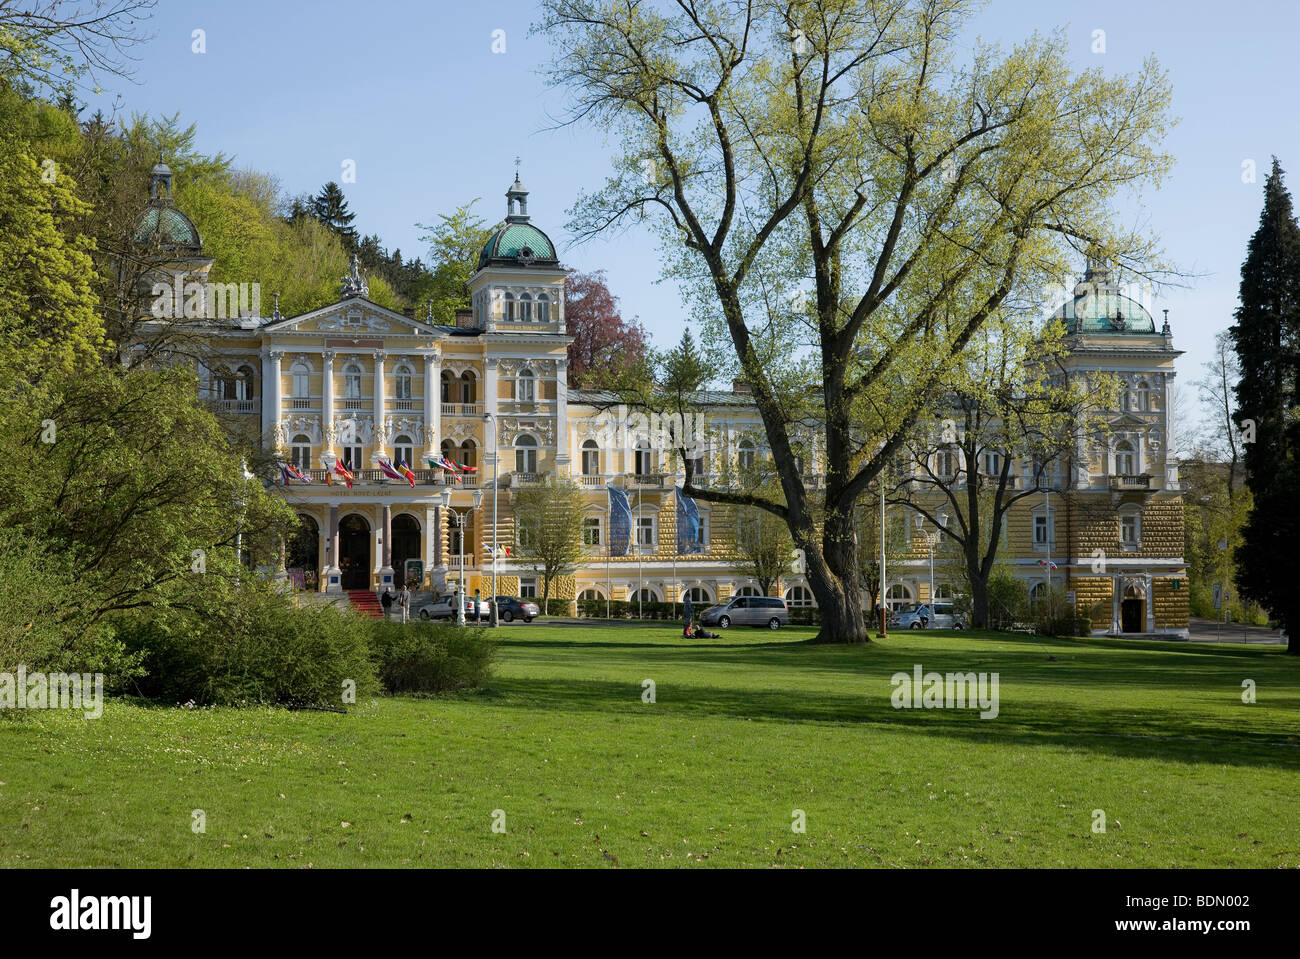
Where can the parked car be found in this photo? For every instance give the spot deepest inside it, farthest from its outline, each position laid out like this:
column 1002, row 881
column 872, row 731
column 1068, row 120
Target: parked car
column 510, row 608
column 923, row 616
column 445, row 608
column 769, row 611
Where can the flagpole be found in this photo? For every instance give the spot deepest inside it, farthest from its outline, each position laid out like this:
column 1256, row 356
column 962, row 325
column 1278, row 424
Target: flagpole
column 640, row 567
column 676, row 547
column 609, row 546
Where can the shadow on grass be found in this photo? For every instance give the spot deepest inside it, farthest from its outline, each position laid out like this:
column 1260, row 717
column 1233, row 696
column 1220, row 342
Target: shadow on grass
column 1133, row 733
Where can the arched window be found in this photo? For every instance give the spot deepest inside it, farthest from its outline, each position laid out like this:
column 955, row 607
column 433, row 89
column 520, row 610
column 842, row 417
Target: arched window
column 301, row 379
column 403, row 450
column 645, row 595
column 699, row 596
column 223, row 383
column 543, row 308
column 468, row 454
column 300, row 451
column 508, row 308
column 591, row 594
column 590, row 458
column 1037, row 593
column 1125, row 459
column 898, row 596
column 525, row 308
column 745, row 455
column 352, row 381
column 748, row 591
column 244, row 383
column 526, row 386
column 1143, row 395
column 525, row 454
column 402, row 382
column 943, row 593
column 467, row 387
column 797, row 596
column 643, row 458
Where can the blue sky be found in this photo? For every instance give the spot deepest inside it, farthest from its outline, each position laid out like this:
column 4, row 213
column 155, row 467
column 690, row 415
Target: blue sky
column 412, row 92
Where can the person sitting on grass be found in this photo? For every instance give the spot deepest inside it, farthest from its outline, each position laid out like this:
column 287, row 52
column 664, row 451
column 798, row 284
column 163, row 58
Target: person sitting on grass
column 686, row 630
column 702, row 633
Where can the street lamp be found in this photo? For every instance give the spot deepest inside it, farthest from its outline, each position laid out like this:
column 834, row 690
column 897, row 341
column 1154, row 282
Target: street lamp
column 930, row 540
column 461, row 519
column 242, row 503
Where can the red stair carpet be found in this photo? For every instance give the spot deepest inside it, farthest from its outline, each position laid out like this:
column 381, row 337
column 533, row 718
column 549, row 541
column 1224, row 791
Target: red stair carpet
column 366, row 603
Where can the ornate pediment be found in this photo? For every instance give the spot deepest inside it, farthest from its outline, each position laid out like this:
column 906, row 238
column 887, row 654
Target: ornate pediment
column 355, row 315
column 512, row 426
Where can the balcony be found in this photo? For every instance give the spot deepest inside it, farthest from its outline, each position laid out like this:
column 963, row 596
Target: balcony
column 303, row 402
column 594, row 479
column 648, row 481
column 462, row 409
column 356, row 403
column 370, row 477
column 238, row 406
column 404, row 404
column 521, row 478
column 1126, row 483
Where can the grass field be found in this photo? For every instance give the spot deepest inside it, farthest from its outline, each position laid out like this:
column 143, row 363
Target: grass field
column 744, row 731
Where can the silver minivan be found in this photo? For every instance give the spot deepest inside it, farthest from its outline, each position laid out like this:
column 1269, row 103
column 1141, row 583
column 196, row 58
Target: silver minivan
column 921, row 616
column 769, row 611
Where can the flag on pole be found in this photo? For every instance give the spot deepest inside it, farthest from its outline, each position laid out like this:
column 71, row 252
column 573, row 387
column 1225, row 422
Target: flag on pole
column 386, row 466
column 688, row 524
column 406, row 471
column 1043, row 562
column 344, row 472
column 501, row 550
column 620, row 522
column 297, row 474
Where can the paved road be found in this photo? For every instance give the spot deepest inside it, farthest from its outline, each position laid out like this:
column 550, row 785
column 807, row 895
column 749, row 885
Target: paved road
column 1208, row 631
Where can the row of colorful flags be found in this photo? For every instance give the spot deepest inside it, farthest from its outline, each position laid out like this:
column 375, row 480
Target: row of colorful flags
column 289, row 473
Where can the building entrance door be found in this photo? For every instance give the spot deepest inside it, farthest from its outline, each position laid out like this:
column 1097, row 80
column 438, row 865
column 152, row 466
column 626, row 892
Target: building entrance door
column 354, row 551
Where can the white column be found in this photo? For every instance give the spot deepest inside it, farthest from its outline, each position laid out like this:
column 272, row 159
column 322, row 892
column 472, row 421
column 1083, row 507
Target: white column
column 1151, row 605
column 432, row 407
column 327, row 400
column 490, row 385
column 562, row 446
column 271, row 398
column 381, row 432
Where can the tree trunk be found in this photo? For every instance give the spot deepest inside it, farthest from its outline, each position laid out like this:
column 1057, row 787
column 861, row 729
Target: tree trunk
column 979, row 600
column 833, row 575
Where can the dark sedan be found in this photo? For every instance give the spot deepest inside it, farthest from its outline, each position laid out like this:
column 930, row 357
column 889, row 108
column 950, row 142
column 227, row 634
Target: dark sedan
column 510, row 608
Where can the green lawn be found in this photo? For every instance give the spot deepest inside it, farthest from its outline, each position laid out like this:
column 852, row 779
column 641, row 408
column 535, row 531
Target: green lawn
column 746, row 729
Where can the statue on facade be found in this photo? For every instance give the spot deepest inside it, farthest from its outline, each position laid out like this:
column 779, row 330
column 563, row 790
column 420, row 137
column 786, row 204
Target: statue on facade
column 354, row 284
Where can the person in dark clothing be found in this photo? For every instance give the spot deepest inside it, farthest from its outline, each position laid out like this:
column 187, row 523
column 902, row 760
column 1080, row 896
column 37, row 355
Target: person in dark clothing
column 387, row 601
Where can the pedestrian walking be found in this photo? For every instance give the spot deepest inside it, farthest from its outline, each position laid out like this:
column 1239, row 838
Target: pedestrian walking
column 386, row 601
column 478, row 616
column 404, row 601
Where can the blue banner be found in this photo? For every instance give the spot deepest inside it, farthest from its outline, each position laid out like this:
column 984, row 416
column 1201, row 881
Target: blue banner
column 688, row 524
column 620, row 523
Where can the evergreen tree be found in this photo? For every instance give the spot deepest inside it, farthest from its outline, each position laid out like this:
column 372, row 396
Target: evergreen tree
column 1265, row 337
column 330, row 207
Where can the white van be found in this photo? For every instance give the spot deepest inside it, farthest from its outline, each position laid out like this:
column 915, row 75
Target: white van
column 769, row 611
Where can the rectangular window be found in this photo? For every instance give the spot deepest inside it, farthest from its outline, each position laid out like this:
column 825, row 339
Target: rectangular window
column 591, row 531
column 645, row 533
column 1042, row 530
column 704, row 531
column 1129, row 531
column 301, row 384
column 528, row 588
column 300, row 456
column 351, row 457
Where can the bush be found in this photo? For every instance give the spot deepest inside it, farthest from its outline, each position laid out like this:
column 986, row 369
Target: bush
column 256, row 649
column 1007, row 600
column 1055, row 615
column 430, row 657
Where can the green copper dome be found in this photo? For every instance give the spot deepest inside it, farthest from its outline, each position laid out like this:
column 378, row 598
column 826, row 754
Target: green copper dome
column 169, row 228
column 1099, row 307
column 161, row 223
column 518, row 241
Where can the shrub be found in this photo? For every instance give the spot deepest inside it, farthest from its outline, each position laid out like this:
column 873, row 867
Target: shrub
column 1055, row 615
column 255, row 649
column 430, row 657
column 1007, row 600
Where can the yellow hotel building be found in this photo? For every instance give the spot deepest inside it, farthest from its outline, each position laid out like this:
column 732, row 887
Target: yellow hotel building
column 354, row 381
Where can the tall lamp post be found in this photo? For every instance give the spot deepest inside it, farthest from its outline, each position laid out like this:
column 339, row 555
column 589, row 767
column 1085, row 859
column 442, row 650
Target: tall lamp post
column 492, row 604
column 930, row 540
column 461, row 517
column 242, row 502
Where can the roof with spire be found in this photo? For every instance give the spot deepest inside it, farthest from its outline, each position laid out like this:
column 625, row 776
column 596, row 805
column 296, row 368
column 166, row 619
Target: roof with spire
column 518, row 242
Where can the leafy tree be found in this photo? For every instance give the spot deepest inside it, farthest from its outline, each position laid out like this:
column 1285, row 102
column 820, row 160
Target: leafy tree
column 1000, row 432
column 763, row 547
column 455, row 243
column 838, row 145
column 605, row 347
column 1266, row 337
column 48, row 319
column 56, row 43
column 548, row 517
column 330, row 207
